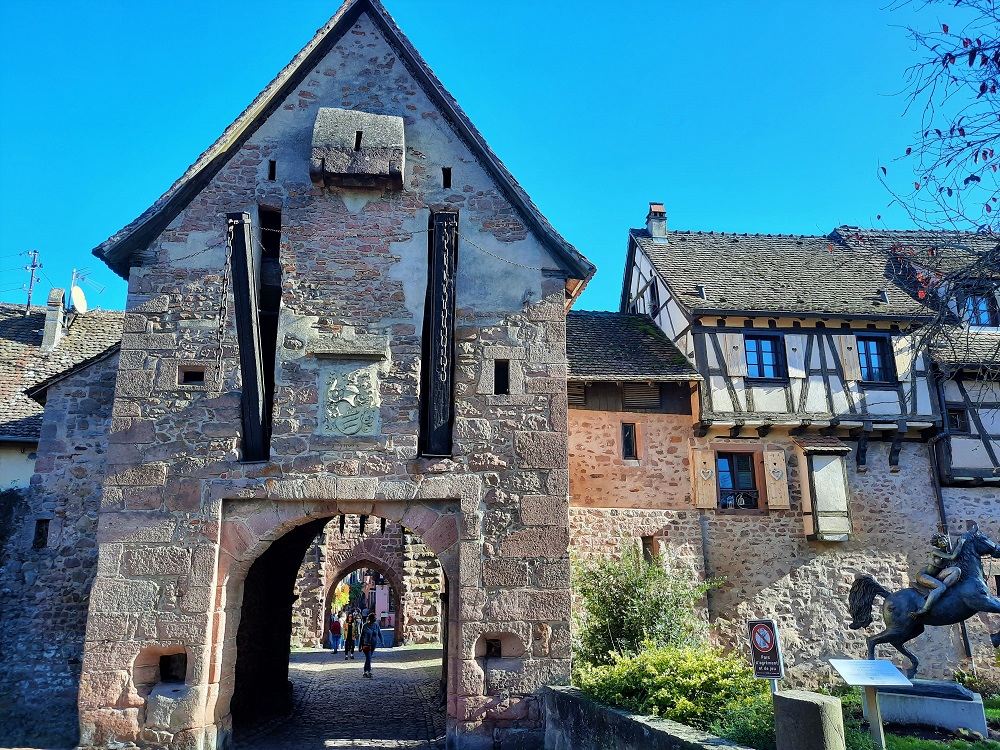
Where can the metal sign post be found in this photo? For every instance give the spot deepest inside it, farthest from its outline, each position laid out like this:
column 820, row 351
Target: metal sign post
column 871, row 674
column 765, row 652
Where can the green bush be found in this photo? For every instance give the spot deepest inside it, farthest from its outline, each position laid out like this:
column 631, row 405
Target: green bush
column 628, row 602
column 751, row 724
column 694, row 685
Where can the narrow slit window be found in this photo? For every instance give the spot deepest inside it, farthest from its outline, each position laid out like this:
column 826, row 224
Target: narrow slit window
column 629, row 441
column 958, row 420
column 191, row 376
column 648, row 548
column 41, row 538
column 357, row 140
column 446, row 176
column 501, row 377
column 272, row 170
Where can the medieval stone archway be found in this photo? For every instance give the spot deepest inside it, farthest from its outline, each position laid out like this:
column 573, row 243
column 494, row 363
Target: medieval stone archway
column 366, row 562
column 278, row 533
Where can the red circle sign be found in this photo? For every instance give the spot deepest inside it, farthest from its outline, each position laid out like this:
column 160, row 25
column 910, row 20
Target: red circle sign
column 762, row 638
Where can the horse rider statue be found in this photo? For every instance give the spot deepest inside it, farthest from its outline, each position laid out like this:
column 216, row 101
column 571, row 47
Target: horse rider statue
column 958, row 591
column 940, row 572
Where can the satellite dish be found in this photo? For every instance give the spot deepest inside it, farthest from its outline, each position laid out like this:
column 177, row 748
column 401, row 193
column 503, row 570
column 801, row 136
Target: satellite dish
column 79, row 300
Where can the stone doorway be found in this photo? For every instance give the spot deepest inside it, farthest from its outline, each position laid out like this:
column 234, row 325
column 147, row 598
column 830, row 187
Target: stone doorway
column 280, row 695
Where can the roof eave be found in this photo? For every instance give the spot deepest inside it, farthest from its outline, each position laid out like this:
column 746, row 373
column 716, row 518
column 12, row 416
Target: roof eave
column 680, row 378
column 809, row 314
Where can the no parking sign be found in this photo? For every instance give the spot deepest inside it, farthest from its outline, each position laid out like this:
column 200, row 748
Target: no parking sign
column 765, row 650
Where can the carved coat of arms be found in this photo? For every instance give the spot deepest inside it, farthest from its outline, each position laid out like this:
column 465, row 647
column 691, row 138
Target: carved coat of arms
column 351, row 404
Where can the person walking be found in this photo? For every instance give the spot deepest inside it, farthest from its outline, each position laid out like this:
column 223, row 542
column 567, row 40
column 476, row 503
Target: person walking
column 351, row 629
column 371, row 634
column 336, row 632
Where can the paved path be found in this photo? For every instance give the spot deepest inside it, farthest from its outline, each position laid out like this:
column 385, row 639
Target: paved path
column 335, row 707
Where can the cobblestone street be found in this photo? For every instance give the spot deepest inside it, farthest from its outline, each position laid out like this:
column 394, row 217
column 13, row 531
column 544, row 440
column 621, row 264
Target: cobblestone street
column 335, row 707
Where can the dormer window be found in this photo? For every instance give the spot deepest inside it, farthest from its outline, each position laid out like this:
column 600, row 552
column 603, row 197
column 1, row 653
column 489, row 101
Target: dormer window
column 979, row 308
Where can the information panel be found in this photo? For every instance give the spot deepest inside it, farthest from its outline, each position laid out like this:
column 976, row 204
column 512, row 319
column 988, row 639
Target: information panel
column 865, row 672
column 765, row 650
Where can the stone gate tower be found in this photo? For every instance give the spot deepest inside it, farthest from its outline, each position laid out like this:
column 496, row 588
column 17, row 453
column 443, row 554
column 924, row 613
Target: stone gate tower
column 345, row 306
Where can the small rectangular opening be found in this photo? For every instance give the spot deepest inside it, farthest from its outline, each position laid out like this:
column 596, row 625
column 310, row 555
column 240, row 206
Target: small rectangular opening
column 173, row 667
column 501, row 377
column 493, row 648
column 272, row 170
column 191, row 376
column 629, row 443
column 648, row 548
column 446, row 176
column 357, row 140
column 270, row 231
column 41, row 538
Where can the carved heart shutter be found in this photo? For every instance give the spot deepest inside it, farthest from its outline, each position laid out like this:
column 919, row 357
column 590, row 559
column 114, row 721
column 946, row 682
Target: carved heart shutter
column 776, row 479
column 902, row 348
column 706, row 492
column 795, row 355
column 734, row 354
column 848, row 346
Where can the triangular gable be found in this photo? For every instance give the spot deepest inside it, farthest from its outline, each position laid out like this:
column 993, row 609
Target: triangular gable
column 118, row 250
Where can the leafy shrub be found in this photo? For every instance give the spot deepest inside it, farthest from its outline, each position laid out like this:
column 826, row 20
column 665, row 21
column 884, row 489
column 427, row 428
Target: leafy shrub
column 689, row 684
column 751, row 724
column 628, row 602
column 983, row 684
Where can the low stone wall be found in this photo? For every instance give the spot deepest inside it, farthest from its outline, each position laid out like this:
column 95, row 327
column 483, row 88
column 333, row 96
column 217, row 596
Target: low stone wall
column 575, row 722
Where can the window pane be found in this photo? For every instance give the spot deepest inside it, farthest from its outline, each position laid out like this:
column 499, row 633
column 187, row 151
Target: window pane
column 744, row 472
column 725, row 472
column 763, row 360
column 628, row 440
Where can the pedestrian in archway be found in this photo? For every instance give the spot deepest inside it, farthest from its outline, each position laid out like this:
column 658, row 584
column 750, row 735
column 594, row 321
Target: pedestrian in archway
column 371, row 634
column 352, row 628
column 336, row 631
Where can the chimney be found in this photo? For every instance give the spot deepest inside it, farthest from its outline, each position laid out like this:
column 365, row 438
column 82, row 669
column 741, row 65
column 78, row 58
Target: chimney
column 54, row 313
column 656, row 221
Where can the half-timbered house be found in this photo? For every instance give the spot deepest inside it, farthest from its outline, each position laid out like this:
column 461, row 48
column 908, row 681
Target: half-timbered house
column 809, row 454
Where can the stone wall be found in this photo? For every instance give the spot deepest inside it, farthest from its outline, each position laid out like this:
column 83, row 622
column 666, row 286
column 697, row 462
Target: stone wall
column 768, row 566
column 44, row 591
column 183, row 519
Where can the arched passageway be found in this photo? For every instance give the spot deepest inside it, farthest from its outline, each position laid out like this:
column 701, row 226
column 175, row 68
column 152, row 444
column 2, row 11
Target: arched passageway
column 284, row 697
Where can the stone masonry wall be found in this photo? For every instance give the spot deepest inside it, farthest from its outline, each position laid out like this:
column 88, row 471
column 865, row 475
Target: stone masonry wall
column 183, row 519
column 44, row 591
column 769, row 568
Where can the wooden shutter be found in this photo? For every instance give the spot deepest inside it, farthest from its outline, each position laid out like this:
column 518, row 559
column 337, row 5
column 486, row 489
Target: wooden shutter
column 636, row 396
column 848, row 346
column 576, row 394
column 776, row 479
column 795, row 355
column 734, row 354
column 705, row 483
column 903, row 349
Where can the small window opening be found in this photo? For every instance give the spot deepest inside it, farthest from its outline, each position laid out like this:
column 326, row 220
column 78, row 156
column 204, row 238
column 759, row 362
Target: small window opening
column 270, row 231
column 357, row 140
column 958, row 420
column 190, row 375
column 41, row 534
column 501, row 377
column 446, row 176
column 629, row 441
column 648, row 548
column 173, row 667
column 272, row 170
column 493, row 648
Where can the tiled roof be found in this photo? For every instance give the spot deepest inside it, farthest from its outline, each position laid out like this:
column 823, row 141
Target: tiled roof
column 23, row 364
column 967, row 347
column 621, row 346
column 776, row 273
column 821, row 444
column 943, row 251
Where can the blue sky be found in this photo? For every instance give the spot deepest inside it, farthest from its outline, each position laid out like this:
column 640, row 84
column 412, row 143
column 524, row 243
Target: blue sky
column 741, row 116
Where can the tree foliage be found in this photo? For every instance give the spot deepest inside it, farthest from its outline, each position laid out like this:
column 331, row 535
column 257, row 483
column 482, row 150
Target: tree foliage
column 625, row 604
column 954, row 88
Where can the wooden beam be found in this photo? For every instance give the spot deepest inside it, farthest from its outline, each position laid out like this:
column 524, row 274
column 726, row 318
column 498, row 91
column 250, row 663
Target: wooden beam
column 438, row 367
column 246, row 304
column 763, row 429
column 736, row 429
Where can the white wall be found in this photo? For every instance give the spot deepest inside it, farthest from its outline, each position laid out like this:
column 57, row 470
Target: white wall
column 17, row 464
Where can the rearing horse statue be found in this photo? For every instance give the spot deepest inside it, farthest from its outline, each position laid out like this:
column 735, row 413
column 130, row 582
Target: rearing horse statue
column 901, row 608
